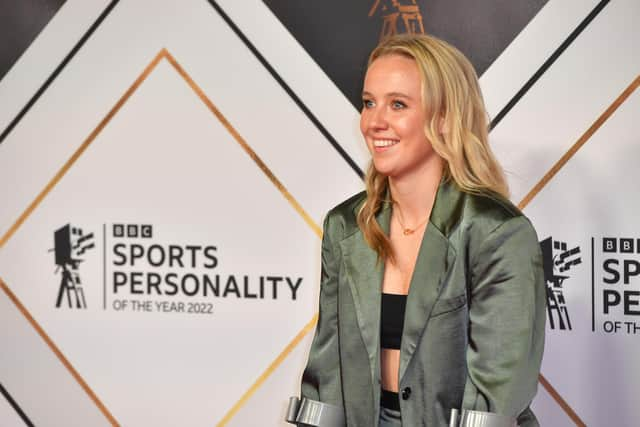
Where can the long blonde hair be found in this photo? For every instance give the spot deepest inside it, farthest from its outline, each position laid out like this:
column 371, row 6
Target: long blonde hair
column 452, row 99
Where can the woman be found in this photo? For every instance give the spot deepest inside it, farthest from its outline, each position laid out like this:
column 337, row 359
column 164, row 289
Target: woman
column 432, row 294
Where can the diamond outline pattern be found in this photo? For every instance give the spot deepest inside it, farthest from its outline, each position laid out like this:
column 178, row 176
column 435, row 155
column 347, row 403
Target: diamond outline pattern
column 164, row 54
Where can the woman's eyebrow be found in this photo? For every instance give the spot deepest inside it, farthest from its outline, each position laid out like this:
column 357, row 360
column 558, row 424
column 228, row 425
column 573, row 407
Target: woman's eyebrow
column 398, row 95
column 389, row 95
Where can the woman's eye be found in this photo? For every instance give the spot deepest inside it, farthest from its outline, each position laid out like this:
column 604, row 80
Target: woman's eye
column 398, row 105
column 367, row 103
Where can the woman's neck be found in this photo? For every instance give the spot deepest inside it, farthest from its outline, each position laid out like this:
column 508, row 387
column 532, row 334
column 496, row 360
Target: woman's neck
column 414, row 193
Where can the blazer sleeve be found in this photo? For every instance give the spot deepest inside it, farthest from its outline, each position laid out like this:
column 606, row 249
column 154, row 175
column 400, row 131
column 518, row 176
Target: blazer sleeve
column 506, row 320
column 321, row 378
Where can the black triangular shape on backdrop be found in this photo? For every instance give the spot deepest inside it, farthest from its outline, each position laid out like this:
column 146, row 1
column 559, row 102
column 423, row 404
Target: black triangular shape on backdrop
column 20, row 24
column 339, row 34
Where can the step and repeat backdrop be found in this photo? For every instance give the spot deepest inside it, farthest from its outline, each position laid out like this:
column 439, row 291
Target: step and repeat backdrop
column 166, row 166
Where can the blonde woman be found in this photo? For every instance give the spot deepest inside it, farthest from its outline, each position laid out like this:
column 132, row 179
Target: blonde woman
column 432, row 294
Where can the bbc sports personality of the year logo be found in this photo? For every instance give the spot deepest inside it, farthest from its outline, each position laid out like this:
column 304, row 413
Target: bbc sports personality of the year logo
column 141, row 269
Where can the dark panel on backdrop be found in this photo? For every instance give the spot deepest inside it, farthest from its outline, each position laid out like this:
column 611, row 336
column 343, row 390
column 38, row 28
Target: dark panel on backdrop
column 20, row 23
column 339, row 34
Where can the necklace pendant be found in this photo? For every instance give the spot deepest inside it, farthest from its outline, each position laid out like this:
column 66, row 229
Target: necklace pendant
column 407, row 231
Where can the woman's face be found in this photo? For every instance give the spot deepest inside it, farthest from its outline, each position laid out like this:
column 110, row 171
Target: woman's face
column 393, row 117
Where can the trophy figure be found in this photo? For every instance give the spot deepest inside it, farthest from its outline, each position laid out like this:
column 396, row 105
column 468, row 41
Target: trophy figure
column 392, row 10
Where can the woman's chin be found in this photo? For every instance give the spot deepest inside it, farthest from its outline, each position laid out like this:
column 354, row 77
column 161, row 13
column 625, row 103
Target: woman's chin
column 383, row 167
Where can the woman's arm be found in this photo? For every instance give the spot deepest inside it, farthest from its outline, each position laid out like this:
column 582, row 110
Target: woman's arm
column 321, row 377
column 506, row 320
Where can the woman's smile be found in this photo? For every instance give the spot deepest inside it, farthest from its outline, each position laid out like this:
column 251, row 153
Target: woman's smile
column 382, row 145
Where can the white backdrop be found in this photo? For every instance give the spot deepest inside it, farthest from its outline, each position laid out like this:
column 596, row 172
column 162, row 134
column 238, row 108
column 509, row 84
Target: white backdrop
column 165, row 121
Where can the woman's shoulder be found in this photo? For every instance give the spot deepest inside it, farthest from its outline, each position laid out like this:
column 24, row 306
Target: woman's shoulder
column 342, row 218
column 491, row 208
column 492, row 216
column 350, row 206
column 489, row 215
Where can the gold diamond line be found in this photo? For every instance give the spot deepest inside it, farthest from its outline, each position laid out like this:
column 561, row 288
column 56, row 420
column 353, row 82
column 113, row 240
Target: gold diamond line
column 240, row 140
column 65, row 168
column 318, row 231
column 61, row 357
column 579, row 143
column 561, row 402
column 36, row 202
column 163, row 54
column 270, row 369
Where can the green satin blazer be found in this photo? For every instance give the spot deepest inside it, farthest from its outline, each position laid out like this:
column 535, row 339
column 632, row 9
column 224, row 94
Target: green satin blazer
column 474, row 323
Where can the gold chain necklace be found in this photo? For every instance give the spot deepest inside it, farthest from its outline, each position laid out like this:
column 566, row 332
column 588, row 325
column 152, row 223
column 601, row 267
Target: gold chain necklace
column 406, row 230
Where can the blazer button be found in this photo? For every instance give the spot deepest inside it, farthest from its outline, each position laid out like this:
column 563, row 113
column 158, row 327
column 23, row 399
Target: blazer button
column 406, row 393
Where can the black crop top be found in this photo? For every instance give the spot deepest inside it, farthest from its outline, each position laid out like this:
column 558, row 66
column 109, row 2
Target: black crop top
column 392, row 320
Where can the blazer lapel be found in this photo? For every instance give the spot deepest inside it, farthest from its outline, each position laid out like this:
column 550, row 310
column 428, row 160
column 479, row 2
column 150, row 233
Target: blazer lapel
column 364, row 275
column 424, row 290
column 435, row 256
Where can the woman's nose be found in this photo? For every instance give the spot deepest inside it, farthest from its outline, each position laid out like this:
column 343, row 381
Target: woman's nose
column 378, row 119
